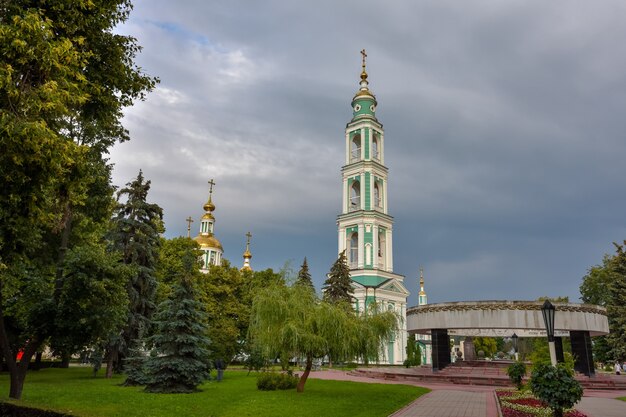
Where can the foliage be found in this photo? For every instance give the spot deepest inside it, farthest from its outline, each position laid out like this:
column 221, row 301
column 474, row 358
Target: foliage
column 222, row 292
column 605, row 285
column 540, row 354
column 255, row 360
column 60, row 111
column 338, row 286
column 616, row 309
column 94, row 290
column 181, row 362
column 413, row 352
column 556, row 386
column 237, row 395
column 516, row 372
column 487, row 344
column 524, row 404
column 135, row 234
column 304, row 276
column 171, row 255
column 295, row 321
column 271, row 381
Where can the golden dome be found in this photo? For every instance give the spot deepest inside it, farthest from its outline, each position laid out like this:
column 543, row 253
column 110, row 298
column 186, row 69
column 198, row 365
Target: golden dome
column 208, row 242
column 247, row 254
column 209, row 206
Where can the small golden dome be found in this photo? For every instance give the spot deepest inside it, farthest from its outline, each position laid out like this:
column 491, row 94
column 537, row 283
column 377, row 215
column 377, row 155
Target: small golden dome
column 208, row 216
column 209, row 206
column 247, row 254
column 208, row 242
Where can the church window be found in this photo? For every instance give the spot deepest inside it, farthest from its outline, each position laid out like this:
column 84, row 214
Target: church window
column 375, row 143
column 353, row 254
column 355, row 148
column 210, row 228
column 212, row 260
column 382, row 242
column 377, row 196
column 355, row 196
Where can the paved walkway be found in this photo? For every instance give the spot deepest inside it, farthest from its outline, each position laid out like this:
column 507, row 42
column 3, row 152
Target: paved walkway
column 447, row 403
column 449, row 400
column 602, row 407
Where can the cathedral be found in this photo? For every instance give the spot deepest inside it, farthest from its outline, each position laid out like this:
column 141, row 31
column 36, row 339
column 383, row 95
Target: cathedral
column 212, row 251
column 365, row 227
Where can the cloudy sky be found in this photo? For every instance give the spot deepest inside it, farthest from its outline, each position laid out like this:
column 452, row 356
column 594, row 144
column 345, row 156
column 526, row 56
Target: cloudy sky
column 504, row 132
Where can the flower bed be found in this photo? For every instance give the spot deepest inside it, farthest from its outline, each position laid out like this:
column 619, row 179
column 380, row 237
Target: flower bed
column 523, row 404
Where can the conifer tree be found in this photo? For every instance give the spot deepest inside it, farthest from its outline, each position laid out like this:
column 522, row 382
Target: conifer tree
column 135, row 233
column 181, row 362
column 338, row 286
column 304, row 276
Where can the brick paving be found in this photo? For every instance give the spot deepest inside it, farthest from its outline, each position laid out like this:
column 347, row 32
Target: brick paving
column 453, row 400
column 447, row 403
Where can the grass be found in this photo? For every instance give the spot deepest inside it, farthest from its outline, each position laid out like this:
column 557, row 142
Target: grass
column 75, row 391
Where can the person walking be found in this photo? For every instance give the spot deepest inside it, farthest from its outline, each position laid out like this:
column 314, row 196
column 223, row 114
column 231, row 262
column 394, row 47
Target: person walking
column 618, row 368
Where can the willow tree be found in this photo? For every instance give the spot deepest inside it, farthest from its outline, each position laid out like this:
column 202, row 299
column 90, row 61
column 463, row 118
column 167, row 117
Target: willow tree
column 294, row 321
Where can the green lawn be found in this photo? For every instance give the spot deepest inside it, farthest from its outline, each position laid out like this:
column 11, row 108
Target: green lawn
column 75, row 391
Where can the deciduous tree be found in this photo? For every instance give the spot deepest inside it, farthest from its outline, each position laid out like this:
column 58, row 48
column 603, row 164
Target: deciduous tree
column 293, row 320
column 605, row 285
column 64, row 79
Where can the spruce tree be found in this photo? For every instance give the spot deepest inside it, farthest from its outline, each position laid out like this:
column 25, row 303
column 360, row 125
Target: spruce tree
column 181, row 362
column 304, row 276
column 135, row 234
column 338, row 286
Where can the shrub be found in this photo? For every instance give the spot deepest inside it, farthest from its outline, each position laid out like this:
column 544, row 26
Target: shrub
column 271, row 381
column 516, row 373
column 556, row 386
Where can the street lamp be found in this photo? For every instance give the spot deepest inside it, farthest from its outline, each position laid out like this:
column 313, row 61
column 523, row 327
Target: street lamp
column 514, row 338
column 547, row 310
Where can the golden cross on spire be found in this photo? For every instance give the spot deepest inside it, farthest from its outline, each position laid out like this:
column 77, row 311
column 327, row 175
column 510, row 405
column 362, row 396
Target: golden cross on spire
column 211, row 184
column 364, row 56
column 189, row 220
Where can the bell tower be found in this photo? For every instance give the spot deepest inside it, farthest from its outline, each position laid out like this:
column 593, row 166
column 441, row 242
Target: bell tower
column 365, row 227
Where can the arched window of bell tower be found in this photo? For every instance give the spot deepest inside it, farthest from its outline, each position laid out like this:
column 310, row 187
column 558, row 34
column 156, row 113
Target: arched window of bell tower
column 378, row 202
column 355, row 148
column 375, row 147
column 353, row 252
column 382, row 243
column 355, row 196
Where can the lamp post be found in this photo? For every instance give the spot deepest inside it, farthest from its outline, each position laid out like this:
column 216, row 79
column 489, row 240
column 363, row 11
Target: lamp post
column 514, row 339
column 547, row 310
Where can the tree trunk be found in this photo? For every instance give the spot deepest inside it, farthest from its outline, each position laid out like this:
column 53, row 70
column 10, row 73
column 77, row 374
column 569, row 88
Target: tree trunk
column 109, row 372
column 305, row 375
column 17, row 371
column 37, row 364
column 65, row 360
